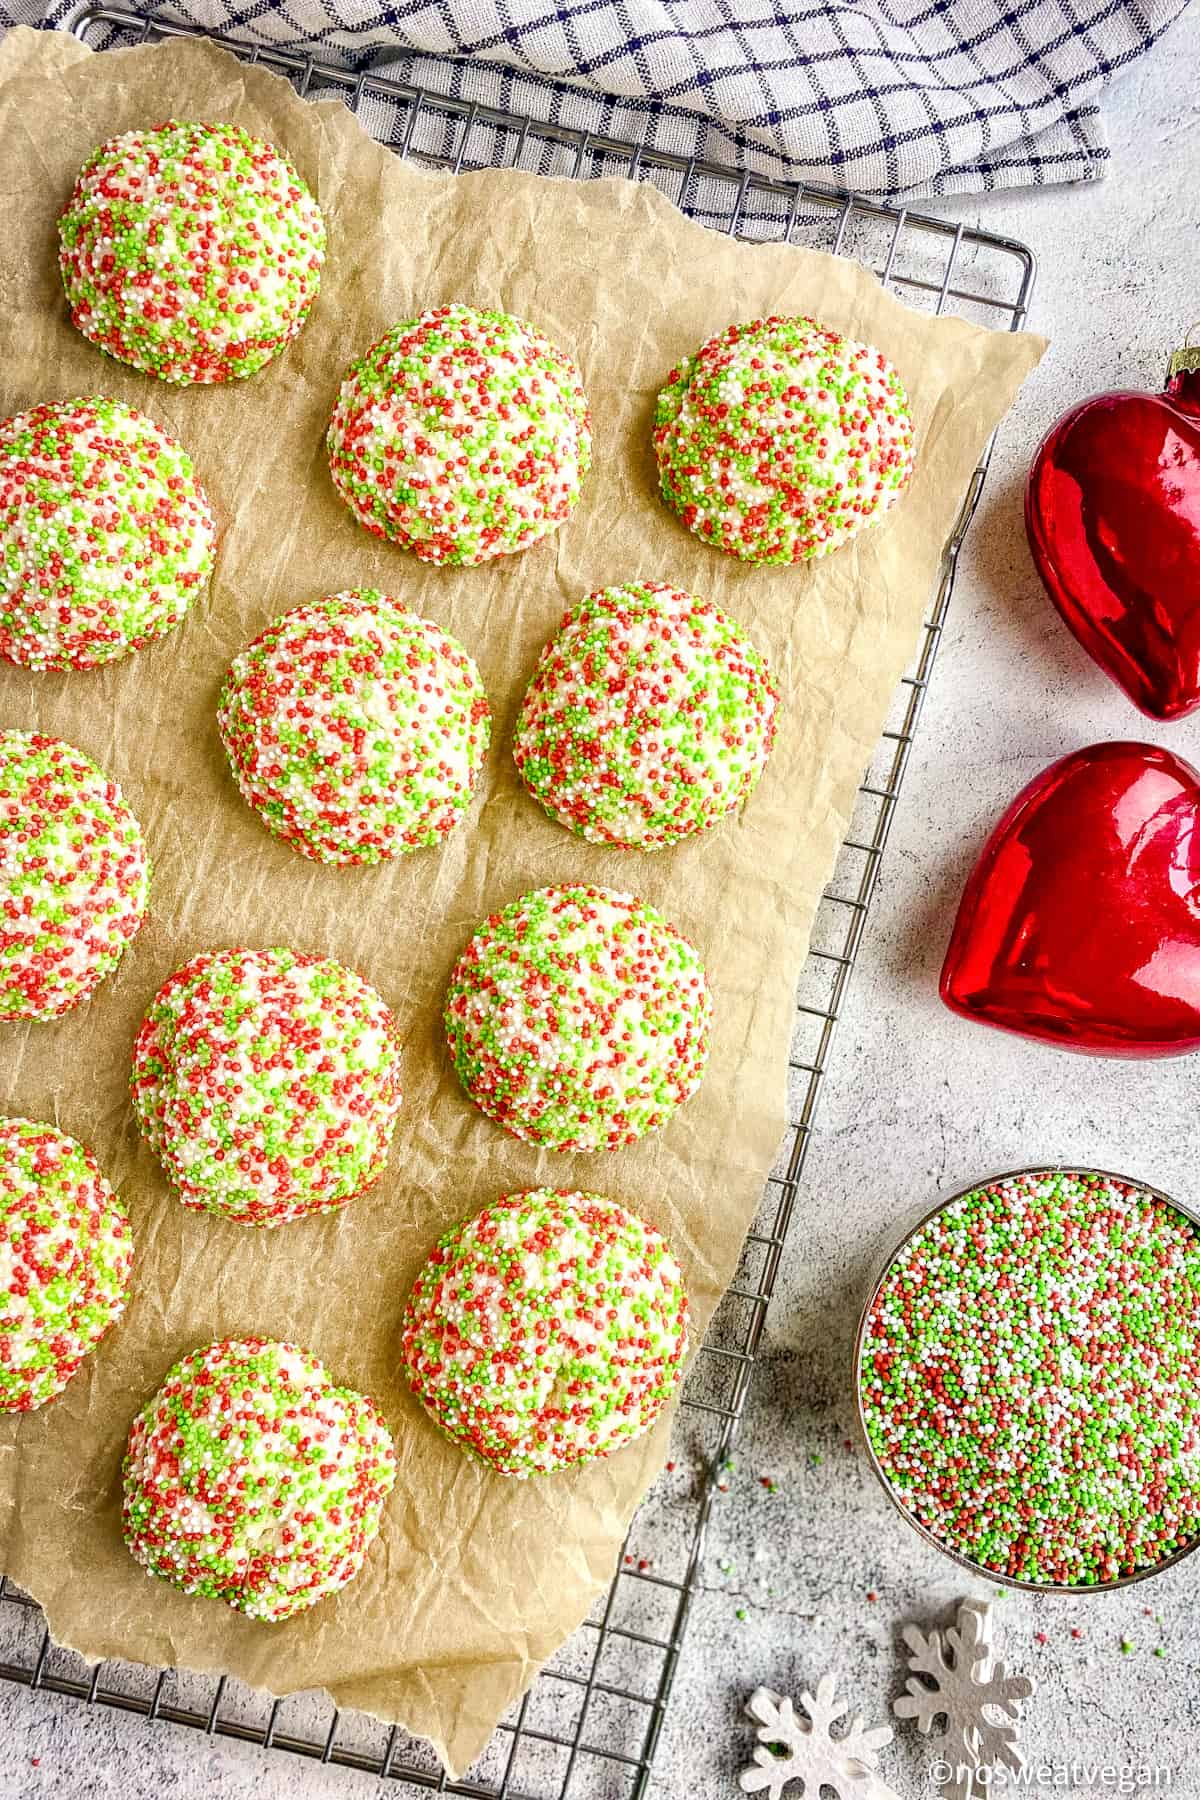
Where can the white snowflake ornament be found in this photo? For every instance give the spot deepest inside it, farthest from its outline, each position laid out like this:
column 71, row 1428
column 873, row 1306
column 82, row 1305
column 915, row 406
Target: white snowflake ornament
column 805, row 1750
column 972, row 1690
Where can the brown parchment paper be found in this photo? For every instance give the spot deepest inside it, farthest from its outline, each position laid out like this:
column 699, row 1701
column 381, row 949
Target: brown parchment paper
column 474, row 1580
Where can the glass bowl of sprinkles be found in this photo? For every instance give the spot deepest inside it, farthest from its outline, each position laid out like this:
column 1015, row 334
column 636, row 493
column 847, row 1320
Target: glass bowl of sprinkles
column 1028, row 1378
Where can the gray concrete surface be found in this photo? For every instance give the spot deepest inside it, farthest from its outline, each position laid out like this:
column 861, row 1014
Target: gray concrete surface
column 821, row 1574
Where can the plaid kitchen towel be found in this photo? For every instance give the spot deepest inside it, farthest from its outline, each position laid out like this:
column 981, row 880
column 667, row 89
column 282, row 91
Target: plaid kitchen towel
column 884, row 97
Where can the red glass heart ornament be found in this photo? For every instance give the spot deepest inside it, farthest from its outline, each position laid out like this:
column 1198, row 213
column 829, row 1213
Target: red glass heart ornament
column 1080, row 923
column 1112, row 509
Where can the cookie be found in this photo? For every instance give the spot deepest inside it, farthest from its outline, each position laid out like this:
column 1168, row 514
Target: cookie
column 548, row 1330
column 355, row 729
column 106, row 538
column 578, row 1018
column 191, row 251
column 461, row 435
column 66, row 1252
column 74, row 876
column 252, row 1478
column 779, row 440
column 267, row 1083
column 649, row 718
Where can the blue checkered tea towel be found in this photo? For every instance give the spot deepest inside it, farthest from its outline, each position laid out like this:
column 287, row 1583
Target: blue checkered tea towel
column 882, row 97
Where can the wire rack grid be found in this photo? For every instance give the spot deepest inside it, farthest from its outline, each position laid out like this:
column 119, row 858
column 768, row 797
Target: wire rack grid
column 590, row 1725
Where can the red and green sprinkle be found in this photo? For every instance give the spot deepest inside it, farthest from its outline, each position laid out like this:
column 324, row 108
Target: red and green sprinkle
column 74, row 876
column 66, row 1252
column 105, row 535
column 267, row 1082
column 650, row 716
column 548, row 1330
column 191, row 251
column 1030, row 1378
column 578, row 1018
column 778, row 440
column 356, row 729
column 251, row 1478
column 461, row 435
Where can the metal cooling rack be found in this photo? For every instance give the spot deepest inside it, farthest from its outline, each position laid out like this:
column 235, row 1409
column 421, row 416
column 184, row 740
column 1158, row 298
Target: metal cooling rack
column 592, row 1721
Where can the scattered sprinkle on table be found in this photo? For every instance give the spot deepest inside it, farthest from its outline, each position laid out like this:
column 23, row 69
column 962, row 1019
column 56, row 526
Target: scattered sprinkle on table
column 191, row 251
column 548, row 1330
column 650, row 716
column 252, row 1478
column 66, row 1252
column 105, row 535
column 578, row 1018
column 74, row 876
column 1030, row 1378
column 356, row 729
column 268, row 1083
column 461, row 435
column 778, row 440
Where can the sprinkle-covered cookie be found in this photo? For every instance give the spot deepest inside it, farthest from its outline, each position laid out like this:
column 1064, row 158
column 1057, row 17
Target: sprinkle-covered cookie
column 1030, row 1378
column 268, row 1084
column 105, row 535
column 74, row 876
column 356, row 729
column 578, row 1018
column 251, row 1478
column 66, row 1251
column 192, row 251
column 650, row 716
column 778, row 440
column 461, row 435
column 548, row 1330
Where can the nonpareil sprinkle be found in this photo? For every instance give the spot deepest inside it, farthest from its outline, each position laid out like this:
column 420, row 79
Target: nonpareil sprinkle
column 1030, row 1378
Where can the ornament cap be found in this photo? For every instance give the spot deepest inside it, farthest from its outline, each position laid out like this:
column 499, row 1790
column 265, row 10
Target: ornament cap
column 1183, row 375
column 1185, row 361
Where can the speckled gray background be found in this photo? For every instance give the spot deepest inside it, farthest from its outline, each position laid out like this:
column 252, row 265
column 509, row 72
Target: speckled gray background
column 916, row 1103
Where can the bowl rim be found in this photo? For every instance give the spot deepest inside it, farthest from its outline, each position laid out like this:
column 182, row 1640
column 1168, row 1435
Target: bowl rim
column 881, row 1267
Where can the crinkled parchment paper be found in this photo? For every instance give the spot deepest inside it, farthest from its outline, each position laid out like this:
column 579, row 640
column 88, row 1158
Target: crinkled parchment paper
column 474, row 1580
